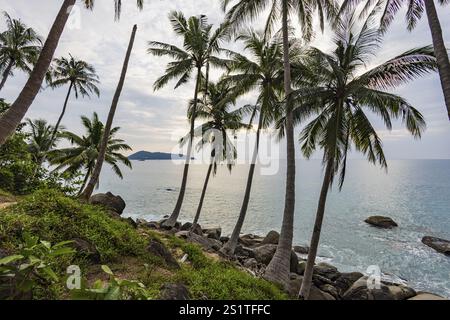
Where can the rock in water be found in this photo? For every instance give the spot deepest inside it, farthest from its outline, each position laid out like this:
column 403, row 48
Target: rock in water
column 440, row 245
column 301, row 249
column 381, row 222
column 174, row 291
column 271, row 238
column 158, row 249
column 361, row 291
column 109, row 201
column 426, row 296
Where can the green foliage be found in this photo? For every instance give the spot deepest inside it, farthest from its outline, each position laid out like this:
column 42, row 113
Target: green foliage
column 52, row 216
column 33, row 266
column 113, row 289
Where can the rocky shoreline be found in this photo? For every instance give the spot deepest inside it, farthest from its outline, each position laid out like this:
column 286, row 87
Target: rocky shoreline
column 255, row 252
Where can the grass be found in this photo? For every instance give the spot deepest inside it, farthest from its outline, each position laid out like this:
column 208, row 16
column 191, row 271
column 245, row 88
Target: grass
column 54, row 217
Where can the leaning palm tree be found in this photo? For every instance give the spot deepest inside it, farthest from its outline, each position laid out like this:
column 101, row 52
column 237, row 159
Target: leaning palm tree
column 200, row 48
column 340, row 100
column 11, row 119
column 240, row 13
column 19, row 48
column 79, row 75
column 109, row 122
column 83, row 154
column 263, row 73
column 40, row 140
column 415, row 10
column 215, row 108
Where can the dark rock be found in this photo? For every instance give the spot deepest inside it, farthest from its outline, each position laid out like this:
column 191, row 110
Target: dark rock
column 86, row 249
column 346, row 280
column 165, row 227
column 206, row 243
column 293, row 262
column 188, row 226
column 314, row 294
column 301, row 267
column 213, row 233
column 250, row 263
column 330, row 289
column 301, row 249
column 174, row 291
column 250, row 240
column 224, row 239
column 109, row 201
column 265, row 253
column 158, row 249
column 131, row 222
column 327, row 271
column 401, row 292
column 147, row 224
column 244, row 251
column 381, row 222
column 360, row 291
column 319, row 280
column 271, row 238
column 440, row 245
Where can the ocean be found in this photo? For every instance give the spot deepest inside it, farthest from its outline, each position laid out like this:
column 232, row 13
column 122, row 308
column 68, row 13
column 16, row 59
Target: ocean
column 415, row 193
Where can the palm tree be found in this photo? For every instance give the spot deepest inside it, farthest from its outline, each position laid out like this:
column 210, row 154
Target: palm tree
column 200, row 46
column 415, row 10
column 79, row 75
column 40, row 140
column 112, row 111
column 11, row 119
column 19, row 48
column 215, row 108
column 243, row 11
column 340, row 100
column 265, row 74
column 82, row 156
column 4, row 106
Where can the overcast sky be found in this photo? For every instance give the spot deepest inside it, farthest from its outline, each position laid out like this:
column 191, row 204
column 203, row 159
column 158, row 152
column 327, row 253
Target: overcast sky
column 153, row 121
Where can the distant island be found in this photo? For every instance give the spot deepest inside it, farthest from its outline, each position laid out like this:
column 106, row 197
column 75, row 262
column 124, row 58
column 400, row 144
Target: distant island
column 146, row 155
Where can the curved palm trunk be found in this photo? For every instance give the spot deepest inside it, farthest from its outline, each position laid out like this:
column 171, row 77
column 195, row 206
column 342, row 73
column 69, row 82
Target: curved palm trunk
column 112, row 111
column 202, row 197
column 6, row 73
column 176, row 211
column 278, row 269
column 439, row 50
column 58, row 123
column 85, row 180
column 314, row 245
column 231, row 244
column 12, row 118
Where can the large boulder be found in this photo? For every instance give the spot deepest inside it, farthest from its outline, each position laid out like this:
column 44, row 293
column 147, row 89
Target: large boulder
column 293, row 262
column 426, row 296
column 265, row 253
column 315, row 293
column 381, row 222
column 109, row 201
column 346, row 280
column 213, row 233
column 205, row 243
column 86, row 250
column 271, row 238
column 174, row 291
column 250, row 240
column 360, row 291
column 440, row 245
column 188, row 226
column 158, row 249
column 301, row 249
column 326, row 270
column 242, row 251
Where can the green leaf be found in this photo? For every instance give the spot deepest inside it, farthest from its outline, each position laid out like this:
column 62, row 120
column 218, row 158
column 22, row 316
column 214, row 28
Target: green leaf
column 51, row 273
column 113, row 294
column 107, row 270
column 9, row 259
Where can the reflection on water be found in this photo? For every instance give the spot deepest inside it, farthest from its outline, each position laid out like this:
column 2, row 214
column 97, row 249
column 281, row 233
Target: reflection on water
column 413, row 193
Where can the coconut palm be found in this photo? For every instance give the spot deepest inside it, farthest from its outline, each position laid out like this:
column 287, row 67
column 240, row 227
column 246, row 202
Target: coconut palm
column 240, row 13
column 40, row 140
column 200, row 48
column 11, row 119
column 262, row 72
column 414, row 12
column 19, row 48
column 93, row 181
column 215, row 109
column 79, row 75
column 344, row 94
column 83, row 154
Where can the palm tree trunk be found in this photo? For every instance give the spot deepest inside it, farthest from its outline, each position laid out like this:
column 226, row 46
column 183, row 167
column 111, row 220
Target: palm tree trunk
column 278, row 269
column 12, row 118
column 6, row 73
column 85, row 180
column 231, row 244
column 439, row 50
column 202, row 197
column 176, row 211
column 314, row 245
column 106, row 134
column 55, row 130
